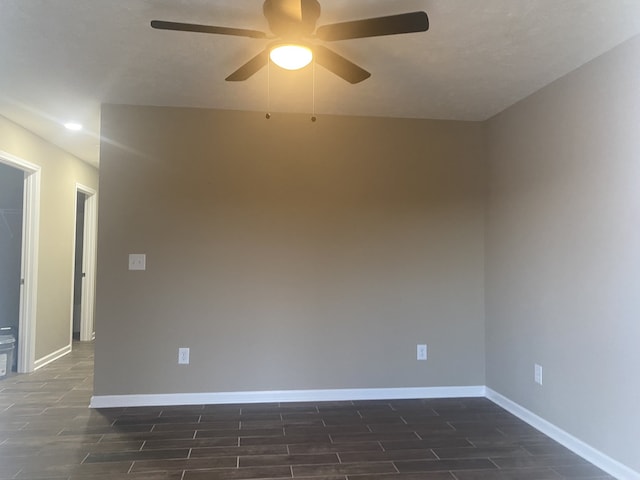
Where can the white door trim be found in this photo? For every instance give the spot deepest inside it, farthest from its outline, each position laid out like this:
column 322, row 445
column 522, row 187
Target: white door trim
column 29, row 264
column 87, row 329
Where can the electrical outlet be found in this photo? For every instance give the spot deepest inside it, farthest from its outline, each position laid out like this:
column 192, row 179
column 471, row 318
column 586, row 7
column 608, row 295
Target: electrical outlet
column 137, row 261
column 183, row 356
column 537, row 374
column 422, row 352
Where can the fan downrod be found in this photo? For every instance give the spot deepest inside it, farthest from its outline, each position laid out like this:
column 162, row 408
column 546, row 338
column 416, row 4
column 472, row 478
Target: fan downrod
column 288, row 22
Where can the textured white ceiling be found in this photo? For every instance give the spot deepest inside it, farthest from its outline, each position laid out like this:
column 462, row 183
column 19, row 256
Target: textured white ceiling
column 59, row 60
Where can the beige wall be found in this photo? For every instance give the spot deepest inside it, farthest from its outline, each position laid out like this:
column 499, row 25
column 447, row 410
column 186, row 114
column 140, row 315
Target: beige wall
column 288, row 254
column 563, row 256
column 59, row 173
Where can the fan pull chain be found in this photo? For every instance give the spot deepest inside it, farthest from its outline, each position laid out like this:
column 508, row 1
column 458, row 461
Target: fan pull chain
column 268, row 115
column 313, row 114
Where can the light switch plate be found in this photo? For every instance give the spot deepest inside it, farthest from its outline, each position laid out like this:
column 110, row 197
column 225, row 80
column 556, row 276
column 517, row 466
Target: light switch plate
column 137, row 261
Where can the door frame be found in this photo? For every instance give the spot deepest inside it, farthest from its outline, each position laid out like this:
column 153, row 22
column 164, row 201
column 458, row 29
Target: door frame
column 87, row 309
column 29, row 261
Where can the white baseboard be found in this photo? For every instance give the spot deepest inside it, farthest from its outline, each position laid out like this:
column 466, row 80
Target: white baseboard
column 606, row 463
column 111, row 401
column 599, row 459
column 52, row 357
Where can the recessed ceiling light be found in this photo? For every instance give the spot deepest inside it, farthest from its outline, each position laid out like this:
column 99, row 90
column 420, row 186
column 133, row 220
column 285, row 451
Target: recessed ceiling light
column 75, row 127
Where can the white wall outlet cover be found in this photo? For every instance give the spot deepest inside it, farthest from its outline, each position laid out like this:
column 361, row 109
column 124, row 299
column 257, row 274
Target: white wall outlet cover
column 183, row 356
column 537, row 374
column 422, row 352
column 137, row 261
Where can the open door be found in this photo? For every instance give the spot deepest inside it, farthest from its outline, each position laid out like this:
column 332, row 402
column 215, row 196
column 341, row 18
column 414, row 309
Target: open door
column 87, row 277
column 11, row 193
column 29, row 260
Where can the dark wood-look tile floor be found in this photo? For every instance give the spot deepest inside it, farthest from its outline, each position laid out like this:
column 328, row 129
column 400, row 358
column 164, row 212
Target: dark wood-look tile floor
column 48, row 433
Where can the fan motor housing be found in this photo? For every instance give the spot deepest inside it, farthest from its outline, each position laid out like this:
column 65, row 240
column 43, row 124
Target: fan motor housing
column 286, row 26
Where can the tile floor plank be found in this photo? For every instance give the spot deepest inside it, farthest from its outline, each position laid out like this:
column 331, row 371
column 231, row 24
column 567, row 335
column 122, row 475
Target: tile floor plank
column 48, row 433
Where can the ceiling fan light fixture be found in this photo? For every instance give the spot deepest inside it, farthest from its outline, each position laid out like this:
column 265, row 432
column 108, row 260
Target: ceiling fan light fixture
column 294, row 21
column 291, row 56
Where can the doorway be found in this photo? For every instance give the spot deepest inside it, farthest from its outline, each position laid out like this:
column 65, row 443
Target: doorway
column 79, row 273
column 83, row 305
column 11, row 199
column 28, row 278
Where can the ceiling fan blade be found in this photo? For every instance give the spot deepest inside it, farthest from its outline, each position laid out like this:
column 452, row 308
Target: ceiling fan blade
column 375, row 27
column 339, row 65
column 249, row 68
column 192, row 27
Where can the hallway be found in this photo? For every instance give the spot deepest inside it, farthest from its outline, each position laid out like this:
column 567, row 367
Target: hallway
column 48, row 433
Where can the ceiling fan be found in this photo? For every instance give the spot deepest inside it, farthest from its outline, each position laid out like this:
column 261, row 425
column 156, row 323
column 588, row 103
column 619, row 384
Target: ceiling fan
column 293, row 25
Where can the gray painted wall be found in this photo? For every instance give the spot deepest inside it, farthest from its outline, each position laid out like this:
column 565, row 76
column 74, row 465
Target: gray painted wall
column 288, row 254
column 563, row 256
column 292, row 255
